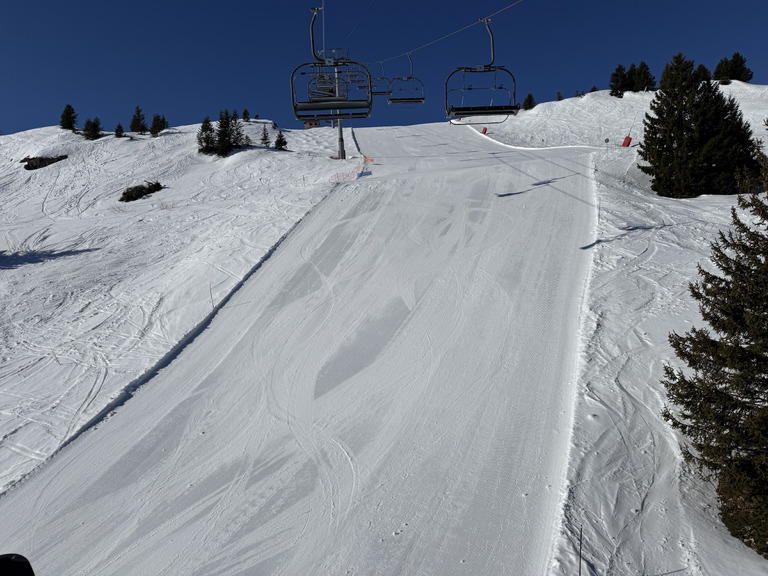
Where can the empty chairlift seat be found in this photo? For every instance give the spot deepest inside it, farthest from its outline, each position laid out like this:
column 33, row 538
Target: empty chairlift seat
column 481, row 91
column 485, row 90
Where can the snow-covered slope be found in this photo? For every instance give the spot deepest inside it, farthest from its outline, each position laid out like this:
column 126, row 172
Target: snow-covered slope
column 95, row 292
column 449, row 366
column 642, row 509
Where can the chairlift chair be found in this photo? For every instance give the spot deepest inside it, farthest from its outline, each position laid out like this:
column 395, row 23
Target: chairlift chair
column 332, row 91
column 408, row 90
column 330, row 88
column 485, row 90
column 482, row 91
column 380, row 84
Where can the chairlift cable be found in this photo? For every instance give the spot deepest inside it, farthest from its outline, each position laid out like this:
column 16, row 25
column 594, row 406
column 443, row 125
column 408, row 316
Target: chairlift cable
column 359, row 20
column 451, row 34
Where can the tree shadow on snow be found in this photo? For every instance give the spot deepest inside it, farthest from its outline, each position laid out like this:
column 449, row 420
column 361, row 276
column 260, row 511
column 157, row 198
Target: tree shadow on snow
column 536, row 184
column 513, row 193
column 11, row 261
column 626, row 232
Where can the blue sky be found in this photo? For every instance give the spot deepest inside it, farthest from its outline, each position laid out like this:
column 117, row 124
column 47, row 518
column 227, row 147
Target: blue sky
column 191, row 60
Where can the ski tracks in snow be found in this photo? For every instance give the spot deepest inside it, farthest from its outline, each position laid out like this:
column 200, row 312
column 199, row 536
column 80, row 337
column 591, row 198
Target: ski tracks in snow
column 628, row 485
column 382, row 396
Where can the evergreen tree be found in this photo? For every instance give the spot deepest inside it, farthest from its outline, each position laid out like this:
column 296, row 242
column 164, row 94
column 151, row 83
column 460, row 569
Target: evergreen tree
column 559, row 96
column 246, row 115
column 227, row 136
column 264, row 137
column 695, row 139
column 92, row 129
column 119, row 132
column 529, row 102
column 721, row 404
column 619, row 81
column 722, row 74
column 702, row 74
column 224, row 133
column 158, row 125
column 68, row 118
column 239, row 138
column 738, row 68
column 138, row 123
column 280, row 142
column 206, row 137
column 733, row 69
column 640, row 78
column 593, row 89
column 630, row 78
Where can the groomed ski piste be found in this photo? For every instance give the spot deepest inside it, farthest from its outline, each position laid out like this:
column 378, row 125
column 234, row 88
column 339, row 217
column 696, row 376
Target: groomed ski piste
column 445, row 361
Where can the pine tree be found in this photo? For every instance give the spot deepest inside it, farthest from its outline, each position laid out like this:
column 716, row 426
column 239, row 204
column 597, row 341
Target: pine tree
column 239, row 138
column 738, row 68
column 529, row 103
column 695, row 139
column 264, row 137
column 280, row 142
column 223, row 133
column 722, row 72
column 206, row 137
column 138, row 123
column 92, row 129
column 246, row 115
column 641, row 79
column 619, row 81
column 733, row 69
column 119, row 132
column 559, row 96
column 158, row 125
column 68, row 118
column 721, row 404
column 227, row 136
column 702, row 74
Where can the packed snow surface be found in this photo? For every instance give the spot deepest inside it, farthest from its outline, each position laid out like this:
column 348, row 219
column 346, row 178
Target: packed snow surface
column 442, row 361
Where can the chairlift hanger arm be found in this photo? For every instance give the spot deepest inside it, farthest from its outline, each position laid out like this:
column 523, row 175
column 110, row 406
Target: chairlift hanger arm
column 312, row 33
column 487, row 21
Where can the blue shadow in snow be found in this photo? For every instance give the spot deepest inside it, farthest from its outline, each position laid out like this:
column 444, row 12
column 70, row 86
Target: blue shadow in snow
column 11, row 261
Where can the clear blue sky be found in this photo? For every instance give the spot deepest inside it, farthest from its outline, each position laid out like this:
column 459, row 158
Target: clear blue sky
column 186, row 60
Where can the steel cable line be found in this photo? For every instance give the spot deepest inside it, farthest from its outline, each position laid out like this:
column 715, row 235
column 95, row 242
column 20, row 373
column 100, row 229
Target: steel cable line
column 406, row 53
column 359, row 20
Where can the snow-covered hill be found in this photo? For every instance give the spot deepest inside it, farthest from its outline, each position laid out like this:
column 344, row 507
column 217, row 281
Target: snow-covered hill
column 450, row 365
column 96, row 292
